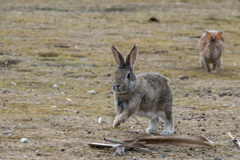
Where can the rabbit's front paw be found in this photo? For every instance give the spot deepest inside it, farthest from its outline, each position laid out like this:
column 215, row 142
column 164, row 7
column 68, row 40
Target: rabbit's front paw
column 151, row 131
column 214, row 72
column 118, row 121
column 166, row 133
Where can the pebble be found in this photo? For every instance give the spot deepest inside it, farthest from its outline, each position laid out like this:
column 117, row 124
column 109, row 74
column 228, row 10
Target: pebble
column 162, row 156
column 186, row 94
column 153, row 19
column 183, row 77
column 30, row 90
column 225, row 105
column 24, row 140
column 5, row 91
column 55, row 86
column 92, row 92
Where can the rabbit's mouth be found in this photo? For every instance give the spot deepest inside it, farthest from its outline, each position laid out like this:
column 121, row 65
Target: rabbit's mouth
column 119, row 91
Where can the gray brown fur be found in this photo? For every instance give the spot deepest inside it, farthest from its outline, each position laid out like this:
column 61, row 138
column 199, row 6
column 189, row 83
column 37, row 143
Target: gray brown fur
column 147, row 95
column 211, row 46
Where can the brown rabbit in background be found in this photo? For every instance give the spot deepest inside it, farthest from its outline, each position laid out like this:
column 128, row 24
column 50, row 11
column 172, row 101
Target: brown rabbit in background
column 147, row 95
column 211, row 46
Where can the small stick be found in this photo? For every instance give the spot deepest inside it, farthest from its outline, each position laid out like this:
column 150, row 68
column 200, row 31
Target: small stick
column 114, row 140
column 103, row 145
column 10, row 131
column 234, row 140
column 65, row 110
column 140, row 124
column 208, row 139
column 195, row 36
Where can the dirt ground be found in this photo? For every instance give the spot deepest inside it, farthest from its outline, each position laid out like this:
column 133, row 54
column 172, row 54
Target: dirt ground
column 53, row 52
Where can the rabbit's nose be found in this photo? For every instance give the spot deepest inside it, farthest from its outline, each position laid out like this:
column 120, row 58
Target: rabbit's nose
column 117, row 86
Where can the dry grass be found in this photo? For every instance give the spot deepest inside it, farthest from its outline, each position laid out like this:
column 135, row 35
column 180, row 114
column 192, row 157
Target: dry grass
column 30, row 29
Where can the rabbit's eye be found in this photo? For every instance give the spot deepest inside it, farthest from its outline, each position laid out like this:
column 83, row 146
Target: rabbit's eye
column 129, row 75
column 216, row 46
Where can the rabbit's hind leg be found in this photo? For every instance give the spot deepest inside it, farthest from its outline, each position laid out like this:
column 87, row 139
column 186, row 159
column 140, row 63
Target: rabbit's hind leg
column 168, row 127
column 152, row 129
column 219, row 62
column 202, row 62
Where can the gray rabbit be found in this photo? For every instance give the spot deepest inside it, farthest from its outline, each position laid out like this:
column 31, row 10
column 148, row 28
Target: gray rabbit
column 211, row 46
column 147, row 95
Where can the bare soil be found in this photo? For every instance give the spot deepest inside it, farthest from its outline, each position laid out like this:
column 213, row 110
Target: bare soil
column 67, row 43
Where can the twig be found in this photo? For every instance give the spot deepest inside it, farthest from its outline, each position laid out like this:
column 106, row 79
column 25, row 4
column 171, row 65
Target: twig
column 114, row 140
column 65, row 110
column 183, row 140
column 119, row 150
column 103, row 145
column 10, row 131
column 135, row 143
column 62, row 46
column 208, row 139
column 195, row 36
column 139, row 143
column 136, row 146
column 234, row 140
column 140, row 124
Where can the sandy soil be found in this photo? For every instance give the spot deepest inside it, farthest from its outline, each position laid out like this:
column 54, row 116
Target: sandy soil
column 67, row 43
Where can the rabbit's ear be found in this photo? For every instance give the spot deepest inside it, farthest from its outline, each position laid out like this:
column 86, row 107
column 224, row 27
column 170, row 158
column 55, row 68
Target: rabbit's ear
column 219, row 35
column 132, row 57
column 209, row 36
column 117, row 56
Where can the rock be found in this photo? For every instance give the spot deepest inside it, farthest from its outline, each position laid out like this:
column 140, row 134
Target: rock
column 5, row 91
column 30, row 90
column 25, row 140
column 183, row 77
column 186, row 94
column 92, row 92
column 153, row 19
column 235, row 100
column 55, row 86
column 162, row 156
column 225, row 105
